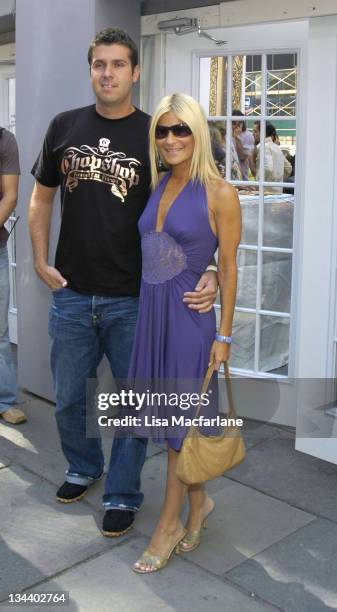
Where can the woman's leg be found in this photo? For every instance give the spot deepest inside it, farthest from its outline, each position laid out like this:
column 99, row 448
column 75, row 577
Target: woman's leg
column 169, row 527
column 200, row 505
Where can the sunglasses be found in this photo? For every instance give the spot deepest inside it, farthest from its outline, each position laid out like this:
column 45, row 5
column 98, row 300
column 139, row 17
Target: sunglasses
column 180, row 130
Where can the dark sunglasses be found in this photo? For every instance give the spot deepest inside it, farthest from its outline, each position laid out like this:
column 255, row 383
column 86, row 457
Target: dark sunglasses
column 180, row 130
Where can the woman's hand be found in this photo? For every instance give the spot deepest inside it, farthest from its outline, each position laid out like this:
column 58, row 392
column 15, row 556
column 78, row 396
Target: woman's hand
column 219, row 354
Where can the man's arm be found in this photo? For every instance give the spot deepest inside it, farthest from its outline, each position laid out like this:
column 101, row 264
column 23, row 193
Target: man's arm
column 9, row 198
column 40, row 212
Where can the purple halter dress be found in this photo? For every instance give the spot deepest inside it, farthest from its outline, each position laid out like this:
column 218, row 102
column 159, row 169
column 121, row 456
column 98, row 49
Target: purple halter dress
column 171, row 340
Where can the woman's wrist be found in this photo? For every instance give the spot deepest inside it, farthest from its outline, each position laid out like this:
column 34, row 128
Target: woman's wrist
column 222, row 338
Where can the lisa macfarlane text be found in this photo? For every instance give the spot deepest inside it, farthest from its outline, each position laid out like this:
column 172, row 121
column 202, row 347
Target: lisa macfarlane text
column 173, row 421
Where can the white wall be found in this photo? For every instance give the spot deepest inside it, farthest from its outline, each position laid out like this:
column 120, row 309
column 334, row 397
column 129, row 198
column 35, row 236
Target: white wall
column 52, row 76
column 318, row 237
column 317, row 274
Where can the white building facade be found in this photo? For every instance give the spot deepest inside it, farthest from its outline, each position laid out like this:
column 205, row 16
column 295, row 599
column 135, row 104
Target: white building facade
column 285, row 320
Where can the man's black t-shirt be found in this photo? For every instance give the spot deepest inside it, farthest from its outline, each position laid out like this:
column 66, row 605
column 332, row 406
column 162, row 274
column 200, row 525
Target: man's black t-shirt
column 102, row 167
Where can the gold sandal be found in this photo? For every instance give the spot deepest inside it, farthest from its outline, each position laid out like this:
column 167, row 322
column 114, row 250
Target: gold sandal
column 192, row 539
column 157, row 562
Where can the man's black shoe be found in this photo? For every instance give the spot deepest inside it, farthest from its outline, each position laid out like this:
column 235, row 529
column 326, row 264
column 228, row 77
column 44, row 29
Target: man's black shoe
column 70, row 492
column 117, row 522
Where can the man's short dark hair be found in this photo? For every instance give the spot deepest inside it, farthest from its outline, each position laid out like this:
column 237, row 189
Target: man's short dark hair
column 270, row 130
column 114, row 36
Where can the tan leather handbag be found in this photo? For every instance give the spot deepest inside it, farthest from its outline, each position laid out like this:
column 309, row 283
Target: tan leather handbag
column 203, row 458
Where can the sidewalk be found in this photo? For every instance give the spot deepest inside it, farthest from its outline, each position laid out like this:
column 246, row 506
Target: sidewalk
column 271, row 543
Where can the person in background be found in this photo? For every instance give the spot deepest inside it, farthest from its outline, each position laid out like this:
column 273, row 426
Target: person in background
column 219, row 128
column 237, row 152
column 291, row 179
column 9, row 181
column 245, row 144
column 276, row 167
column 218, row 150
column 218, row 147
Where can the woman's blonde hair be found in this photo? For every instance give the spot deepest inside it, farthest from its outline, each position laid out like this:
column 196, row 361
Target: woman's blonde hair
column 190, row 112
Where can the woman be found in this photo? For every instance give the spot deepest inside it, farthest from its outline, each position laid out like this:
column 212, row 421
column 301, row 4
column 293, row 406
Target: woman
column 191, row 212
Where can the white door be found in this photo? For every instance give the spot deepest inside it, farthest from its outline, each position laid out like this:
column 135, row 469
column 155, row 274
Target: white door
column 257, row 72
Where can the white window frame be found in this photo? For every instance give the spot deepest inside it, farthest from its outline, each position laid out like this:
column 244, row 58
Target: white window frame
column 259, row 248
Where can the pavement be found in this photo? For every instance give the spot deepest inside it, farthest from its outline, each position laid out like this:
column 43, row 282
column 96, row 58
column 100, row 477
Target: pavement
column 271, row 542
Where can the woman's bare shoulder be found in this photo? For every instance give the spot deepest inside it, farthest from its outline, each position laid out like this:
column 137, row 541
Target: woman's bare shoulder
column 219, row 190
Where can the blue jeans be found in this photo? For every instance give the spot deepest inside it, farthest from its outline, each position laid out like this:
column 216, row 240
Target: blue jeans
column 7, row 366
column 82, row 329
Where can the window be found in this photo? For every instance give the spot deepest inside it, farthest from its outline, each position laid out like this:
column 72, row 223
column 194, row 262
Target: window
column 250, row 101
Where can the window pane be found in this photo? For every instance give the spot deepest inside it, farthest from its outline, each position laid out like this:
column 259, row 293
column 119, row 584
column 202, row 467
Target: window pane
column 278, row 221
column 250, row 218
column 281, row 84
column 217, row 130
column 251, row 85
column 274, row 345
column 276, row 281
column 243, row 345
column 213, row 85
column 238, row 82
column 285, row 134
column 279, row 155
column 243, row 148
column 237, row 152
column 247, row 274
column 245, row 136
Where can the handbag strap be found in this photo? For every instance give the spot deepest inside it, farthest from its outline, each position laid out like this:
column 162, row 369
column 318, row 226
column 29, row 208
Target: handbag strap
column 205, row 385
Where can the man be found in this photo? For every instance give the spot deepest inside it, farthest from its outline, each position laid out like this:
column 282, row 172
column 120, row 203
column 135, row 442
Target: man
column 276, row 167
column 9, row 180
column 99, row 157
column 244, row 142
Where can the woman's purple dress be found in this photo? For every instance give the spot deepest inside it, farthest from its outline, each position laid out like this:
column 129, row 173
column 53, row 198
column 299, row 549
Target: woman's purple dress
column 171, row 340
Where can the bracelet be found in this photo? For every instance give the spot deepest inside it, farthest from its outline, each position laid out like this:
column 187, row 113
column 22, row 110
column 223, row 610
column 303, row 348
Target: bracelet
column 224, row 339
column 211, row 268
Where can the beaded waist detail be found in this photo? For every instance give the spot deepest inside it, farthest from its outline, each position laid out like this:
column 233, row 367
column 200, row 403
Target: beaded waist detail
column 162, row 257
